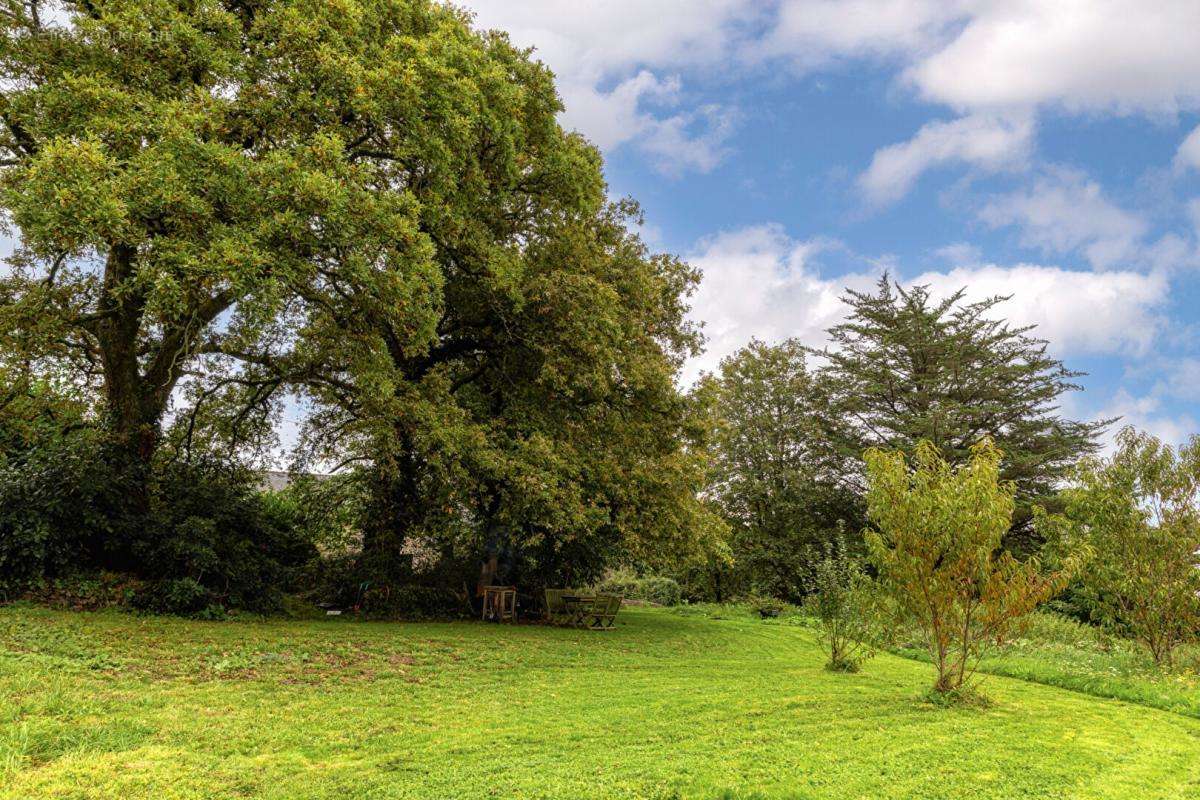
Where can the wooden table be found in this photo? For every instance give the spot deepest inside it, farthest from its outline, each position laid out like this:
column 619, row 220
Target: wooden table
column 500, row 603
column 577, row 607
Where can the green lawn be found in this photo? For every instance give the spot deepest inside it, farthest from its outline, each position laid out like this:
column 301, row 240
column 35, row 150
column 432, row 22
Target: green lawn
column 669, row 704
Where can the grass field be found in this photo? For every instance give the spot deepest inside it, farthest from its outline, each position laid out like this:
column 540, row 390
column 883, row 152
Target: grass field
column 1060, row 652
column 110, row 705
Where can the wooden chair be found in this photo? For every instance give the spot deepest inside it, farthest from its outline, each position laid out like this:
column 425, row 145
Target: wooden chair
column 603, row 613
column 500, row 603
column 556, row 610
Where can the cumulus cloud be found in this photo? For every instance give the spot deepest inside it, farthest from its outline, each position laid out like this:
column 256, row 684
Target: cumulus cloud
column 1062, row 212
column 621, row 63
column 814, row 32
column 760, row 283
column 605, row 36
column 1122, row 56
column 690, row 140
column 960, row 254
column 1188, row 154
column 617, row 63
column 1078, row 312
column 1182, row 380
column 986, row 142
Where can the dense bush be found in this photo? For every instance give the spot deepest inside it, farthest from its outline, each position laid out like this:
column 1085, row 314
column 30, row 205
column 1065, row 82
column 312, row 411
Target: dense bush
column 411, row 601
column 650, row 588
column 215, row 542
column 51, row 512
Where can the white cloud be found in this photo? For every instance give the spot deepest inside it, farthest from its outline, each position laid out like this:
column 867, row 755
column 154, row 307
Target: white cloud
column 690, row 140
column 1188, row 154
column 960, row 254
column 1078, row 312
column 602, row 37
column 812, row 32
column 1122, row 56
column 986, row 142
column 760, row 283
column 617, row 63
column 1063, row 212
column 1146, row 414
column 1181, row 379
column 622, row 63
column 695, row 141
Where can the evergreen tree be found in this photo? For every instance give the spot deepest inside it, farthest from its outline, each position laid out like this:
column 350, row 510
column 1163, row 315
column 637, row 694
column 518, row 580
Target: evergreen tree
column 906, row 367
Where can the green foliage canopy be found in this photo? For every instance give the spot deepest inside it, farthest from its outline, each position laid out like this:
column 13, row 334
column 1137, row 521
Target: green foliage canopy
column 1137, row 517
column 907, row 367
column 373, row 202
column 780, row 483
column 177, row 171
column 935, row 540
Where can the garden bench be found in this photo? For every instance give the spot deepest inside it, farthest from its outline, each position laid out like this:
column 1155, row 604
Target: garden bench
column 575, row 606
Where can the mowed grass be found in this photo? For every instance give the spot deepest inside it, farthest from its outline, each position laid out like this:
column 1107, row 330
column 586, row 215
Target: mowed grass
column 110, row 705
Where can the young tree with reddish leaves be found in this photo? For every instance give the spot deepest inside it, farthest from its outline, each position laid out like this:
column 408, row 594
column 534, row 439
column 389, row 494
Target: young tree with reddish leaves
column 935, row 540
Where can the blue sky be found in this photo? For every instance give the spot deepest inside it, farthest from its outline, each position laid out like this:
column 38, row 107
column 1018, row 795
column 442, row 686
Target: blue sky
column 1049, row 150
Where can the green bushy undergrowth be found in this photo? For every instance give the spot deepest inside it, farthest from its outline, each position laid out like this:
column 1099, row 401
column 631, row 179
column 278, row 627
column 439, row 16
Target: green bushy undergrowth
column 210, row 542
column 216, row 543
column 51, row 512
column 411, row 602
column 649, row 588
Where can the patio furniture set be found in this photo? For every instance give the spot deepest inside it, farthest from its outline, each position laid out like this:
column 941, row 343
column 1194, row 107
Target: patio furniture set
column 563, row 607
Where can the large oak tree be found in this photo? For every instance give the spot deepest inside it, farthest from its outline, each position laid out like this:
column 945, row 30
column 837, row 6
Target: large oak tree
column 178, row 170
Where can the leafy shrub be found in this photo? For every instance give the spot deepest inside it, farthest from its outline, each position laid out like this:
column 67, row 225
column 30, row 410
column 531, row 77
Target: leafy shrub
column 211, row 541
column 937, row 532
column 843, row 600
column 411, row 601
column 765, row 605
column 215, row 542
column 51, row 511
column 1136, row 519
column 650, row 588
